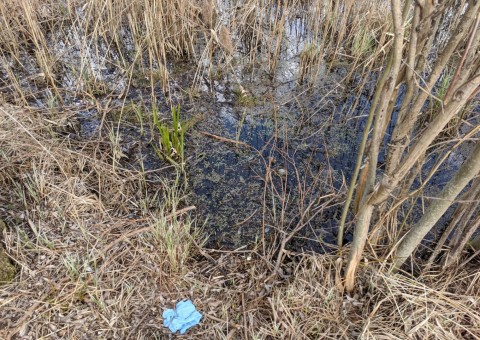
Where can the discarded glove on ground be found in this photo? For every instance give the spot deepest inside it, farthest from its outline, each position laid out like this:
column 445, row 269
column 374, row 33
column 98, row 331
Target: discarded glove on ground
column 182, row 317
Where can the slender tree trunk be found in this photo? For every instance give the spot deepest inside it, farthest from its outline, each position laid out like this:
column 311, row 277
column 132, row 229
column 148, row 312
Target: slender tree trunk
column 471, row 210
column 386, row 90
column 458, row 247
column 463, row 211
column 475, row 243
column 465, row 174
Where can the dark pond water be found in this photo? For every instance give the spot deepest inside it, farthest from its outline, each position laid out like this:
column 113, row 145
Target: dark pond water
column 253, row 163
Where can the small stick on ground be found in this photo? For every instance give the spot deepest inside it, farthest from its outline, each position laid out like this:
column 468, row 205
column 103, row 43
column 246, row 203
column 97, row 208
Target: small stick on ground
column 223, row 139
column 245, row 329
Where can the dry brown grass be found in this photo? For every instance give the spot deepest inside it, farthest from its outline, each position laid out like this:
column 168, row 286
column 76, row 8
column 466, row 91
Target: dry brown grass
column 50, row 42
column 84, row 270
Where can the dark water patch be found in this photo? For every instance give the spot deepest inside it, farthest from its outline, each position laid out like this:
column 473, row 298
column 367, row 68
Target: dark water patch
column 301, row 160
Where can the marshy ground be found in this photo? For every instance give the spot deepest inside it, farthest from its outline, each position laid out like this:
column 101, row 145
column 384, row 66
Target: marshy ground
column 105, row 227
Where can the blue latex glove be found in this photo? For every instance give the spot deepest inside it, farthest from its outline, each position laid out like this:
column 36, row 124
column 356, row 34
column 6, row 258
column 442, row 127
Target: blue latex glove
column 182, row 317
